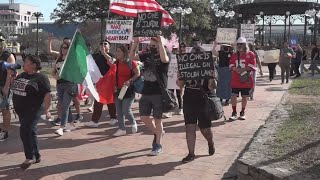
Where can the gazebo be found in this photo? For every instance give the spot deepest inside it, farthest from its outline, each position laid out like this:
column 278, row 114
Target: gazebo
column 271, row 11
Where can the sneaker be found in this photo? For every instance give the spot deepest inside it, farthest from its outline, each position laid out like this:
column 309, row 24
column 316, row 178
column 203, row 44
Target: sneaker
column 180, row 112
column 69, row 128
column 242, row 116
column 112, row 122
column 167, row 115
column 155, row 138
column 56, row 122
column 59, row 132
column 233, row 116
column 120, row 133
column 134, row 128
column 156, row 150
column 91, row 124
column 188, row 158
column 3, row 135
column 78, row 118
column 227, row 103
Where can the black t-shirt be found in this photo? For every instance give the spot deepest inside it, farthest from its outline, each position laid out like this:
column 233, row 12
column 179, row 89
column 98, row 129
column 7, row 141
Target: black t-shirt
column 101, row 62
column 29, row 91
column 314, row 52
column 59, row 64
column 193, row 94
column 151, row 85
column 224, row 58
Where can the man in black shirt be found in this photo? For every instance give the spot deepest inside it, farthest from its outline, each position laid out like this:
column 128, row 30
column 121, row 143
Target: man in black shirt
column 314, row 57
column 5, row 81
column 103, row 60
column 156, row 63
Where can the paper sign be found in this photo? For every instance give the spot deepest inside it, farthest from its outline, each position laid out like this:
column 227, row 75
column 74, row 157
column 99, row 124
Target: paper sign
column 271, row 56
column 260, row 54
column 247, row 31
column 226, row 35
column 172, row 73
column 147, row 24
column 196, row 66
column 119, row 31
column 207, row 47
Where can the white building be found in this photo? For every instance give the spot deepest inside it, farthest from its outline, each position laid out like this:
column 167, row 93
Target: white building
column 15, row 18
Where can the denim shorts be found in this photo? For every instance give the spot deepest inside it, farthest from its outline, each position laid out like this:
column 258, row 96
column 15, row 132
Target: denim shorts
column 150, row 103
column 5, row 102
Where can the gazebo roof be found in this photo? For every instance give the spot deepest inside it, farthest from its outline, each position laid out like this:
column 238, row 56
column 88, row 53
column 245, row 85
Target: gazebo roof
column 275, row 7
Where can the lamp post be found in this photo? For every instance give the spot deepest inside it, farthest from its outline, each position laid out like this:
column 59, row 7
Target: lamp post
column 181, row 11
column 37, row 15
column 285, row 25
column 316, row 15
column 262, row 15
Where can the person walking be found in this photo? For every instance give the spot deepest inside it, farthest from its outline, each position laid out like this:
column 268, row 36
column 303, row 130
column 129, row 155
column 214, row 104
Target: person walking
column 66, row 92
column 297, row 61
column 242, row 65
column 258, row 63
column 224, row 73
column 31, row 97
column 5, row 94
column 286, row 54
column 272, row 66
column 104, row 60
column 315, row 56
column 304, row 58
column 156, row 64
column 127, row 72
column 194, row 113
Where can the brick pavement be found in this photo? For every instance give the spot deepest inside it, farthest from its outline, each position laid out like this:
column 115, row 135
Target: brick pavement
column 95, row 154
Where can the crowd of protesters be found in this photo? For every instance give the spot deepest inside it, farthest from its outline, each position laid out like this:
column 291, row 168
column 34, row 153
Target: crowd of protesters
column 237, row 66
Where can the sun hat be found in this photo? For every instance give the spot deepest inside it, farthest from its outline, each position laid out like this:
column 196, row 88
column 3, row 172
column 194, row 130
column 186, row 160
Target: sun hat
column 241, row 40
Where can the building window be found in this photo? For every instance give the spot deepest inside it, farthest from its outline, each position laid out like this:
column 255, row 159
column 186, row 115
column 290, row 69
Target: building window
column 28, row 18
column 25, row 18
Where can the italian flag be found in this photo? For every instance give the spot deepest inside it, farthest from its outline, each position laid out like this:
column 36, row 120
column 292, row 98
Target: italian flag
column 79, row 66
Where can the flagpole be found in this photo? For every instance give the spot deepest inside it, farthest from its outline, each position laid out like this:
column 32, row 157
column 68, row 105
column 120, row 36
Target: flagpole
column 72, row 40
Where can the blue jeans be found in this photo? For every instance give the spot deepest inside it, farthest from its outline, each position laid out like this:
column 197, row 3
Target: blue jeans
column 123, row 108
column 66, row 92
column 28, row 132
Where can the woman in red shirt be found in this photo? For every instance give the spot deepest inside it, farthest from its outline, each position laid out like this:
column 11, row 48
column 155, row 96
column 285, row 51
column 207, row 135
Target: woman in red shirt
column 127, row 72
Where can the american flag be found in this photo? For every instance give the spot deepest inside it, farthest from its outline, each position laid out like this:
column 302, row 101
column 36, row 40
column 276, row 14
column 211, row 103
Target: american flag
column 131, row 8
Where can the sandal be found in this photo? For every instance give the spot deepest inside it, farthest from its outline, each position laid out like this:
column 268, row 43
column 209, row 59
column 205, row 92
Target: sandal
column 212, row 149
column 26, row 164
column 188, row 158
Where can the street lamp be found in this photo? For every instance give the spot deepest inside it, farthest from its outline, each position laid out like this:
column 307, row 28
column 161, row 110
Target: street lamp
column 37, row 15
column 220, row 12
column 181, row 11
column 285, row 25
column 262, row 15
column 316, row 15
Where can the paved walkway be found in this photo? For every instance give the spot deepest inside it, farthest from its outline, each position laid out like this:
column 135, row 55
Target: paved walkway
column 95, row 154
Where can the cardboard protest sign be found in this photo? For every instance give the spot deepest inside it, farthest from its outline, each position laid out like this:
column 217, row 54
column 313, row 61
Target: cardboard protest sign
column 271, row 56
column 172, row 72
column 247, row 31
column 260, row 54
column 226, row 35
column 147, row 24
column 196, row 66
column 119, row 31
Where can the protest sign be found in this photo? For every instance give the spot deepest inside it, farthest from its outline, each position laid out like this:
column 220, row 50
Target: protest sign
column 147, row 24
column 172, row 72
column 188, row 49
column 207, row 47
column 260, row 54
column 226, row 35
column 271, row 56
column 196, row 66
column 247, row 31
column 119, row 31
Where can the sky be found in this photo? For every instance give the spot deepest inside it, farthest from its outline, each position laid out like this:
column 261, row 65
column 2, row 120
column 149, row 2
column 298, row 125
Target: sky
column 46, row 7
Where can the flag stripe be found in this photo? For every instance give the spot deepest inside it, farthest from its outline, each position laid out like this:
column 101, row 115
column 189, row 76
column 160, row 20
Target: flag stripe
column 133, row 7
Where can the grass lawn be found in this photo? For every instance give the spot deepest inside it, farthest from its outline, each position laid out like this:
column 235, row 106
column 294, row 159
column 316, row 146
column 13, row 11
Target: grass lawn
column 297, row 141
column 305, row 86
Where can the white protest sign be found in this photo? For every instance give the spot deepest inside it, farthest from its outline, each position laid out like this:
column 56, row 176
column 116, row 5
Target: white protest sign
column 271, row 56
column 260, row 54
column 207, row 47
column 172, row 73
column 119, row 31
column 226, row 35
column 247, row 31
column 188, row 49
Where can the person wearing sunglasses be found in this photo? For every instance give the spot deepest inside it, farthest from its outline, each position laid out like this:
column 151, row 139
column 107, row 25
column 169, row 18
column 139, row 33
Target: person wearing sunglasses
column 242, row 64
column 156, row 65
column 104, row 60
column 66, row 91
